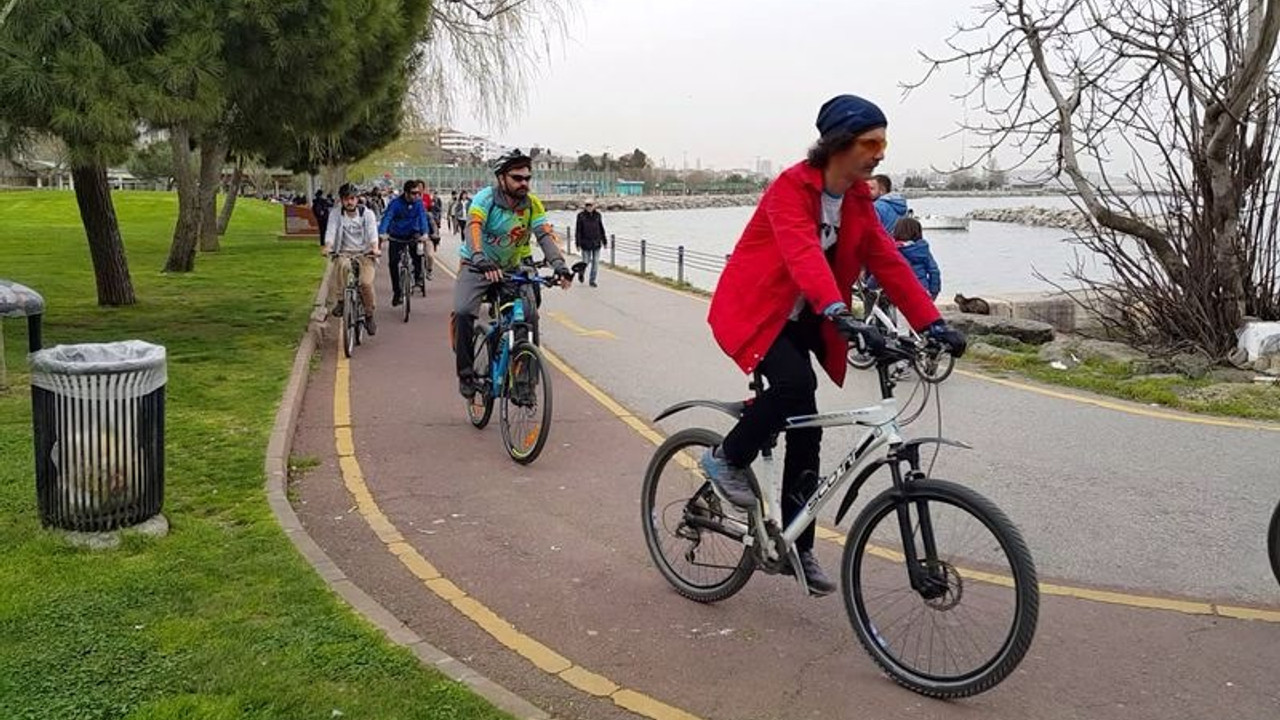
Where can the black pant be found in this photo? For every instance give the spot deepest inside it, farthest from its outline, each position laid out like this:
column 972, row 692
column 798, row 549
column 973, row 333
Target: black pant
column 398, row 246
column 792, row 388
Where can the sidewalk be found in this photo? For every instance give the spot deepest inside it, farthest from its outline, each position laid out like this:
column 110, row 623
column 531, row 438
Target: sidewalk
column 555, row 550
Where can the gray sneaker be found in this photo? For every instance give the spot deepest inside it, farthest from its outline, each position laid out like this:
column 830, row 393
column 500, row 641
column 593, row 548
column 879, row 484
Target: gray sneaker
column 731, row 483
column 817, row 580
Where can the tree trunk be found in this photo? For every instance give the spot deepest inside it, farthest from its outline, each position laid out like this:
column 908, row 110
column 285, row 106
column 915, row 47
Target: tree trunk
column 213, row 152
column 229, row 205
column 110, row 269
column 186, row 233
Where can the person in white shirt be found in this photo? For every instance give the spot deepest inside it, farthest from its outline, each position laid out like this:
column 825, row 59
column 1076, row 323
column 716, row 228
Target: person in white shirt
column 352, row 234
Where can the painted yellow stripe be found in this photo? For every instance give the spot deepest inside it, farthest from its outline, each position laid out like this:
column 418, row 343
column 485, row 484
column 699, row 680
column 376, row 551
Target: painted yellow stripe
column 1147, row 602
column 1103, row 596
column 1120, row 407
column 577, row 329
column 539, row 655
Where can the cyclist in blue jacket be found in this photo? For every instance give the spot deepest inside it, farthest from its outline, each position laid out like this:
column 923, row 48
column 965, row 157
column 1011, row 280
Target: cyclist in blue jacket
column 405, row 223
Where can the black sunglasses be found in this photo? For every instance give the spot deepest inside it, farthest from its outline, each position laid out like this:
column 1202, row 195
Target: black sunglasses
column 520, row 178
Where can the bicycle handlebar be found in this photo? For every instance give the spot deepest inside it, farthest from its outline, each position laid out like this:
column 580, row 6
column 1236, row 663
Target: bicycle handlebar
column 523, row 277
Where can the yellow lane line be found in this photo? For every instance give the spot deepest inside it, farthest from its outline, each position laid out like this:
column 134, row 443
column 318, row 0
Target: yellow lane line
column 539, row 655
column 1058, row 394
column 1103, row 596
column 577, row 329
column 1146, row 602
column 1120, row 407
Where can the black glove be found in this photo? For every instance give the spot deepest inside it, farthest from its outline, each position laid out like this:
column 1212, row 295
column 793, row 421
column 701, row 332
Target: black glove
column 563, row 273
column 482, row 264
column 865, row 337
column 953, row 340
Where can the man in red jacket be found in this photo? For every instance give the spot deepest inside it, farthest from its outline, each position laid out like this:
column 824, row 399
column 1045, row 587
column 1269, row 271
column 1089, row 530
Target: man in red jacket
column 784, row 295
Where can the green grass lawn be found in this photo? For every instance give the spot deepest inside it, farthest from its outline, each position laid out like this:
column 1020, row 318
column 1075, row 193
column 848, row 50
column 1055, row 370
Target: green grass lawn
column 1253, row 401
column 222, row 619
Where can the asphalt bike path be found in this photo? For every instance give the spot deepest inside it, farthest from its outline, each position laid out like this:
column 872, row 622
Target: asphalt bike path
column 1116, row 496
column 538, row 576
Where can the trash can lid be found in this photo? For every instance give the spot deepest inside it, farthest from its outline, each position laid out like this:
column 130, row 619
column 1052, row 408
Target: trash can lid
column 19, row 300
column 98, row 358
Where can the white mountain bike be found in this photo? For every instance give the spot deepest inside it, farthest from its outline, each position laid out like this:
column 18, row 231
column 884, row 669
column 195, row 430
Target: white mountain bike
column 937, row 582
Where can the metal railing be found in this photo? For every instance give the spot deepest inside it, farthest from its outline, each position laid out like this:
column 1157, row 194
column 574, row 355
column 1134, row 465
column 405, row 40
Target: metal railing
column 660, row 259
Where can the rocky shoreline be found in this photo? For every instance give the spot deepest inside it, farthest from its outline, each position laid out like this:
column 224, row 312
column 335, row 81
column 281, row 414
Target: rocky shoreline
column 639, row 203
column 1034, row 216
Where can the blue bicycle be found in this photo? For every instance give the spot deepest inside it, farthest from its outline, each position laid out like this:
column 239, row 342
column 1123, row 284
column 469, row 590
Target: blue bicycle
column 509, row 366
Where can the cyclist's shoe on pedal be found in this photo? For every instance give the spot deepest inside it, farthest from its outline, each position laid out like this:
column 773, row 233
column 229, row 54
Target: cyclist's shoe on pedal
column 370, row 324
column 729, row 482
column 467, row 386
column 396, row 301
column 338, row 308
column 814, row 576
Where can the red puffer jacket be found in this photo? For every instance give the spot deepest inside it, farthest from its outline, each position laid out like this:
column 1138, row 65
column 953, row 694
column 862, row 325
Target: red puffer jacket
column 779, row 258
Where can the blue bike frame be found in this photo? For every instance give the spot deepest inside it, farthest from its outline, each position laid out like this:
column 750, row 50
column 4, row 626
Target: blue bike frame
column 509, row 315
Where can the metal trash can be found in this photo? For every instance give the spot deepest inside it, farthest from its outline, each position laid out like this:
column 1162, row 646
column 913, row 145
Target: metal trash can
column 98, row 416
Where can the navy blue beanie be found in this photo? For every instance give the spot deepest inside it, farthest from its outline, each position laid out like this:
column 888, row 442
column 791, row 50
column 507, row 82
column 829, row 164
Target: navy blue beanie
column 849, row 113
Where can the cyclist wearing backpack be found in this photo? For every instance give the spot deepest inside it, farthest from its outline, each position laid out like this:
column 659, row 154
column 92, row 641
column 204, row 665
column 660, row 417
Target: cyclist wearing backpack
column 502, row 220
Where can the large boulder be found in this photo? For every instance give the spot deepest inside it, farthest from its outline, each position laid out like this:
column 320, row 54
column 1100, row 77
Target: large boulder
column 1031, row 332
column 1072, row 351
column 983, row 351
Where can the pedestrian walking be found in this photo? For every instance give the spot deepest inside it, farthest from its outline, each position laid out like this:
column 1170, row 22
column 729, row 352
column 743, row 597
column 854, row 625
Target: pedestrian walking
column 591, row 238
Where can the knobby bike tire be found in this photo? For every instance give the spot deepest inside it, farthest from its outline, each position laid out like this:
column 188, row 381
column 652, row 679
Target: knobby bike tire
column 1026, row 588
column 481, row 361
column 530, row 353
column 1273, row 543
column 649, row 517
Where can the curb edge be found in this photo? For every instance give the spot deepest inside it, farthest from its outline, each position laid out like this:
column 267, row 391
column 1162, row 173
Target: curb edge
column 276, row 468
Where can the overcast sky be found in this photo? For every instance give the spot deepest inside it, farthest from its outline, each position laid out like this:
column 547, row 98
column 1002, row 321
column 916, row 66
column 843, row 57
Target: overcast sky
column 729, row 80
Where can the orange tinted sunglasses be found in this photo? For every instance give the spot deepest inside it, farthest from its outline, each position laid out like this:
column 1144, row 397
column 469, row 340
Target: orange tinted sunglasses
column 873, row 144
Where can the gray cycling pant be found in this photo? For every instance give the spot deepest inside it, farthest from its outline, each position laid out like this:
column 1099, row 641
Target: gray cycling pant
column 468, row 292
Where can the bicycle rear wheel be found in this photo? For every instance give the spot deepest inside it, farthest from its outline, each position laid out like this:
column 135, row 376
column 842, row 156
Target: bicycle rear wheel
column 480, row 405
column 525, row 411
column 693, row 537
column 968, row 618
column 1273, row 543
column 406, row 287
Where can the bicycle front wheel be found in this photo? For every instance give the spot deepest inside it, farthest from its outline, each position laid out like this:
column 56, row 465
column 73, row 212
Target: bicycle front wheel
column 525, row 412
column 860, row 360
column 960, row 620
column 694, row 538
column 350, row 322
column 1273, row 543
column 480, row 405
column 934, row 367
column 406, row 288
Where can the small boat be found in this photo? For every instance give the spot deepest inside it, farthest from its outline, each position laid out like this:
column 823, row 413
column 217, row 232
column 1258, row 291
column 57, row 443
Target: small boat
column 943, row 222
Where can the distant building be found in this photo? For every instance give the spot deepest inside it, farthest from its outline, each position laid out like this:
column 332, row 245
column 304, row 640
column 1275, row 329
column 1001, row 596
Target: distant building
column 459, row 143
column 764, row 168
column 630, row 187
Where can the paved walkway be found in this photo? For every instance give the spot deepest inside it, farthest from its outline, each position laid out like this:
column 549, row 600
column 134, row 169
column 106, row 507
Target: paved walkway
column 539, row 578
